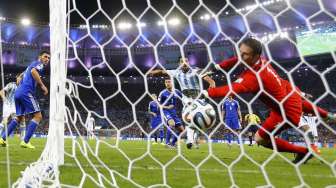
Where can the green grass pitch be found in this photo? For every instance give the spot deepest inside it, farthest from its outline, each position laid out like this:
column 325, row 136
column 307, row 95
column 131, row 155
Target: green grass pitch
column 146, row 171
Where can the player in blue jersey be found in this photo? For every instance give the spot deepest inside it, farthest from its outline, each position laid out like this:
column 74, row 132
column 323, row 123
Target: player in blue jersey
column 231, row 113
column 156, row 121
column 25, row 99
column 168, row 99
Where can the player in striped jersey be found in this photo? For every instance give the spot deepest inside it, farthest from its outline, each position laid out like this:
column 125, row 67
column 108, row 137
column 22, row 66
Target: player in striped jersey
column 309, row 123
column 189, row 81
column 7, row 96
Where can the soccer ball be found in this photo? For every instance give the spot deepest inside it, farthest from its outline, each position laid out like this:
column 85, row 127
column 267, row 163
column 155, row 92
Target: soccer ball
column 199, row 113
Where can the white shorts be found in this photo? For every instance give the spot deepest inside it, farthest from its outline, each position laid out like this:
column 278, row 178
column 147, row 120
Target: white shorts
column 192, row 135
column 312, row 127
column 8, row 110
column 90, row 128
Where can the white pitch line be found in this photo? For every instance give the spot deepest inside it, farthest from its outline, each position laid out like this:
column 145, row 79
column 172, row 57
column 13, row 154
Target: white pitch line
column 180, row 169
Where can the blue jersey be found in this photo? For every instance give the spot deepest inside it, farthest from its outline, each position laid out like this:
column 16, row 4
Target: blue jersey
column 167, row 98
column 154, row 107
column 156, row 120
column 28, row 83
column 231, row 109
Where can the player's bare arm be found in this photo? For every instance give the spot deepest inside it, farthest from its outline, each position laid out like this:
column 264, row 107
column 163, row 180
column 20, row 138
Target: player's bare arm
column 223, row 114
column 168, row 107
column 157, row 72
column 2, row 94
column 38, row 80
column 240, row 115
column 211, row 82
column 152, row 113
column 19, row 78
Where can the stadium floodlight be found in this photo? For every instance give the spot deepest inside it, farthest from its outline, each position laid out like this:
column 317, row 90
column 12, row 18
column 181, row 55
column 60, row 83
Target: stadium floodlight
column 124, row 25
column 102, row 26
column 82, row 26
column 25, row 21
column 141, row 24
column 174, row 22
column 160, row 23
column 205, row 17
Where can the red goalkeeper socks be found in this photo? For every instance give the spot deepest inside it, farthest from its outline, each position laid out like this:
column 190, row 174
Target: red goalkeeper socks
column 285, row 146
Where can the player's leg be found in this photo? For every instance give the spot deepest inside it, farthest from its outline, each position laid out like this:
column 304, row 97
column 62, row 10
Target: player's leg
column 19, row 107
column 311, row 139
column 304, row 126
column 3, row 124
column 167, row 118
column 262, row 138
column 168, row 136
column 31, row 107
column 254, row 129
column 6, row 117
column 22, row 127
column 250, row 134
column 196, row 137
column 31, row 127
column 161, row 132
column 153, row 127
column 315, row 133
column 308, row 107
column 177, row 123
column 171, row 125
column 1, row 127
column 10, row 128
column 190, row 137
column 155, row 136
column 236, row 127
column 229, row 133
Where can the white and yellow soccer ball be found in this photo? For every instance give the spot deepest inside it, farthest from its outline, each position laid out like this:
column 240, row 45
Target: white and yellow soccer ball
column 199, row 113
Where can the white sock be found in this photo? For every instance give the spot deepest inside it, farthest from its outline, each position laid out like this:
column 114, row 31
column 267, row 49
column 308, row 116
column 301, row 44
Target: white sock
column 190, row 135
column 1, row 128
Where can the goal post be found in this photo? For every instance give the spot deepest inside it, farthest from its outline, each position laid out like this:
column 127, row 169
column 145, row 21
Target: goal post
column 58, row 66
column 45, row 170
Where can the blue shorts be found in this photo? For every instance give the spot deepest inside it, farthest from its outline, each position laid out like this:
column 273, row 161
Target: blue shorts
column 25, row 103
column 155, row 122
column 171, row 115
column 233, row 123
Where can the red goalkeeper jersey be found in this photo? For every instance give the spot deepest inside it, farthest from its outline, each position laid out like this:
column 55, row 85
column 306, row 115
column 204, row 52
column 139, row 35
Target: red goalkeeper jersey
column 261, row 76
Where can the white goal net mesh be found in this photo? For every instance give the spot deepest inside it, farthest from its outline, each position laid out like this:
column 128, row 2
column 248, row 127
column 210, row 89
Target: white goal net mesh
column 101, row 59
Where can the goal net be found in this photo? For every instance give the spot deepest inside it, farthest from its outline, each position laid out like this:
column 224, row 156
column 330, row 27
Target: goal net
column 100, row 87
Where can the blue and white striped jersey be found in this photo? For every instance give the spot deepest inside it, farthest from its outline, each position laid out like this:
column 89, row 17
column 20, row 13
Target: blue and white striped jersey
column 188, row 80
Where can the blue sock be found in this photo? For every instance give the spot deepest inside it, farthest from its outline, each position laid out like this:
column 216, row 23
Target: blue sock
column 238, row 140
column 155, row 136
column 228, row 136
column 175, row 139
column 161, row 135
column 30, row 130
column 168, row 136
column 11, row 127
